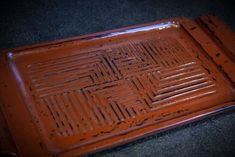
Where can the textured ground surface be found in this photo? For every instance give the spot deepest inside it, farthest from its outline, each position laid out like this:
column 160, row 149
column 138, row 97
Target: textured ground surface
column 27, row 22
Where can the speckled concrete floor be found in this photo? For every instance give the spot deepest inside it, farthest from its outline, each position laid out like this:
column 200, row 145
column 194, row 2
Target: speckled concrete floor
column 26, row 22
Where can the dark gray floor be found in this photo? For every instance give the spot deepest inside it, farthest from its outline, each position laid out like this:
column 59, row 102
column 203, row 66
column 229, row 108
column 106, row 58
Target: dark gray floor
column 27, row 22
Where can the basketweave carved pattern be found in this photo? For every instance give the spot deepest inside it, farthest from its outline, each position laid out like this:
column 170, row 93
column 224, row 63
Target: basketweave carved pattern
column 115, row 86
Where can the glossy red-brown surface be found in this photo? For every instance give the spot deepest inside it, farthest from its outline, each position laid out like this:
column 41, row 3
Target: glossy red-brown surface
column 85, row 94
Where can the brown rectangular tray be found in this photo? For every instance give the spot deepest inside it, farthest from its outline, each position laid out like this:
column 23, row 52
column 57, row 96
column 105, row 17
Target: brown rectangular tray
column 77, row 96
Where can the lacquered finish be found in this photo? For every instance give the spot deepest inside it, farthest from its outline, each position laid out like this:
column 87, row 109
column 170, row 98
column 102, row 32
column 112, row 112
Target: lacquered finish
column 93, row 92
